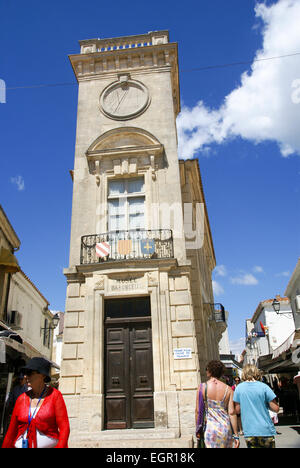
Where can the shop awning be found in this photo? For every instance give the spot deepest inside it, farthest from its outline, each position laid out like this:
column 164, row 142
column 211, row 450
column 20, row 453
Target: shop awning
column 10, row 343
column 286, row 345
column 8, row 261
column 24, row 349
column 290, row 343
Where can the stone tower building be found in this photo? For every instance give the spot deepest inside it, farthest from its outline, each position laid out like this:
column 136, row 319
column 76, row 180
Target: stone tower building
column 140, row 323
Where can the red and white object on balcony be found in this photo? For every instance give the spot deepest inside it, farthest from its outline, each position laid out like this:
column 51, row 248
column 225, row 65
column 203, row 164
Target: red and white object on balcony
column 102, row 249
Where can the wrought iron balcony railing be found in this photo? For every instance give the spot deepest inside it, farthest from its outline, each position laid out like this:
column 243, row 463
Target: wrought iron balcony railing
column 217, row 312
column 126, row 245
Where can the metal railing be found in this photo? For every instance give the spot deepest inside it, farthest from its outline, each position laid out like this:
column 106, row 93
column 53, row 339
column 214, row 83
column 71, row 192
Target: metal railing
column 126, row 245
column 219, row 313
column 125, row 42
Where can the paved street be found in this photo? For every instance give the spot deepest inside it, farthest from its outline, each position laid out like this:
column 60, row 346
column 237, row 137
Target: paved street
column 287, row 437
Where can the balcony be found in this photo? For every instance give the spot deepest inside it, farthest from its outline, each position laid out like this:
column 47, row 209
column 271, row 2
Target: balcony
column 126, row 245
column 219, row 313
column 123, row 43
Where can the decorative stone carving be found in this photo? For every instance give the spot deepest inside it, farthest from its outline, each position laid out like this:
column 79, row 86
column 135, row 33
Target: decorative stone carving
column 152, row 163
column 100, row 283
column 128, row 283
column 152, row 278
column 124, row 99
column 97, row 171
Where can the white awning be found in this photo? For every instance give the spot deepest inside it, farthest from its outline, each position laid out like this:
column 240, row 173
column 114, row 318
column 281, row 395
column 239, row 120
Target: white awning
column 2, row 352
column 286, row 345
column 8, row 342
column 25, row 349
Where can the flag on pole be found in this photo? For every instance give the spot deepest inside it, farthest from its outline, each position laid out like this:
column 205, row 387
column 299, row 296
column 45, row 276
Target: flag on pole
column 124, row 246
column 262, row 327
column 102, row 249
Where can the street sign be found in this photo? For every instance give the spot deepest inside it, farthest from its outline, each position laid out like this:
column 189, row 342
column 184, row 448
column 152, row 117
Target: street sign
column 182, row 353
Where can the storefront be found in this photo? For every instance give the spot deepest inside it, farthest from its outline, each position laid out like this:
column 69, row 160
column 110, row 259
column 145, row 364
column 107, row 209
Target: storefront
column 14, row 353
column 233, row 368
column 281, row 368
column 12, row 357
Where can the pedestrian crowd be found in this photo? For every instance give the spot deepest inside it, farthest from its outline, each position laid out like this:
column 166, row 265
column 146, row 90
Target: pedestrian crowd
column 36, row 414
column 223, row 413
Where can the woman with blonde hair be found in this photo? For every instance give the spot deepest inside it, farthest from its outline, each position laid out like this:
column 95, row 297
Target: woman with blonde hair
column 253, row 399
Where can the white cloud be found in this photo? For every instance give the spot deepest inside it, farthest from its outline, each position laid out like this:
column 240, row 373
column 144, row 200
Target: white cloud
column 220, row 270
column 266, row 105
column 258, row 269
column 284, row 273
column 19, row 182
column 237, row 346
column 245, row 279
column 217, row 288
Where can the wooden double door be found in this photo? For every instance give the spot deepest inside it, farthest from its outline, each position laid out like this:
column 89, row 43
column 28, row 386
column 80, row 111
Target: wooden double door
column 128, row 364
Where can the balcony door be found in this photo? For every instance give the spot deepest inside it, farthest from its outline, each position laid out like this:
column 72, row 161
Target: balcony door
column 129, row 382
column 126, row 204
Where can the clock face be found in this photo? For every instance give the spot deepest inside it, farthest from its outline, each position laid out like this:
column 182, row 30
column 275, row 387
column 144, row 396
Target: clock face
column 124, row 100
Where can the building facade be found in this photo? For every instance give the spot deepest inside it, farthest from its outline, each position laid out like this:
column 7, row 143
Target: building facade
column 269, row 335
column 293, row 292
column 58, row 334
column 9, row 243
column 230, row 361
column 140, row 322
column 25, row 319
column 28, row 315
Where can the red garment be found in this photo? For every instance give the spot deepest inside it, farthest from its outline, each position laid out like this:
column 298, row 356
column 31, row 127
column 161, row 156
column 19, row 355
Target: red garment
column 51, row 419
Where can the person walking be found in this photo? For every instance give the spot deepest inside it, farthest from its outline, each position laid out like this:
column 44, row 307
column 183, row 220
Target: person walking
column 40, row 418
column 220, row 412
column 253, row 400
column 237, row 382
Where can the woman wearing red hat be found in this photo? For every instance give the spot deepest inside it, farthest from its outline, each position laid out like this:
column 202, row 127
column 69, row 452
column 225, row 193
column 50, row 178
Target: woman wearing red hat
column 40, row 418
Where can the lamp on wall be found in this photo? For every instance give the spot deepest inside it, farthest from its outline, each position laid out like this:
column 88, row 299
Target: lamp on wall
column 53, row 324
column 55, row 320
column 276, row 306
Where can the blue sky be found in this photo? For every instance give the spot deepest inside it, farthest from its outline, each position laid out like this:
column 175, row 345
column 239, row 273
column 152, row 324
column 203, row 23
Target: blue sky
column 241, row 122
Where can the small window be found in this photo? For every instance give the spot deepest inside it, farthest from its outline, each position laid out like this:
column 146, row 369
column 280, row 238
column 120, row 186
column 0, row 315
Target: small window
column 47, row 333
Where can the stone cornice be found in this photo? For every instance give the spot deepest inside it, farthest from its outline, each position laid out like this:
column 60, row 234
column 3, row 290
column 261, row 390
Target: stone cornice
column 123, row 152
column 146, row 265
column 8, row 230
column 125, row 42
column 145, row 152
column 110, row 63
